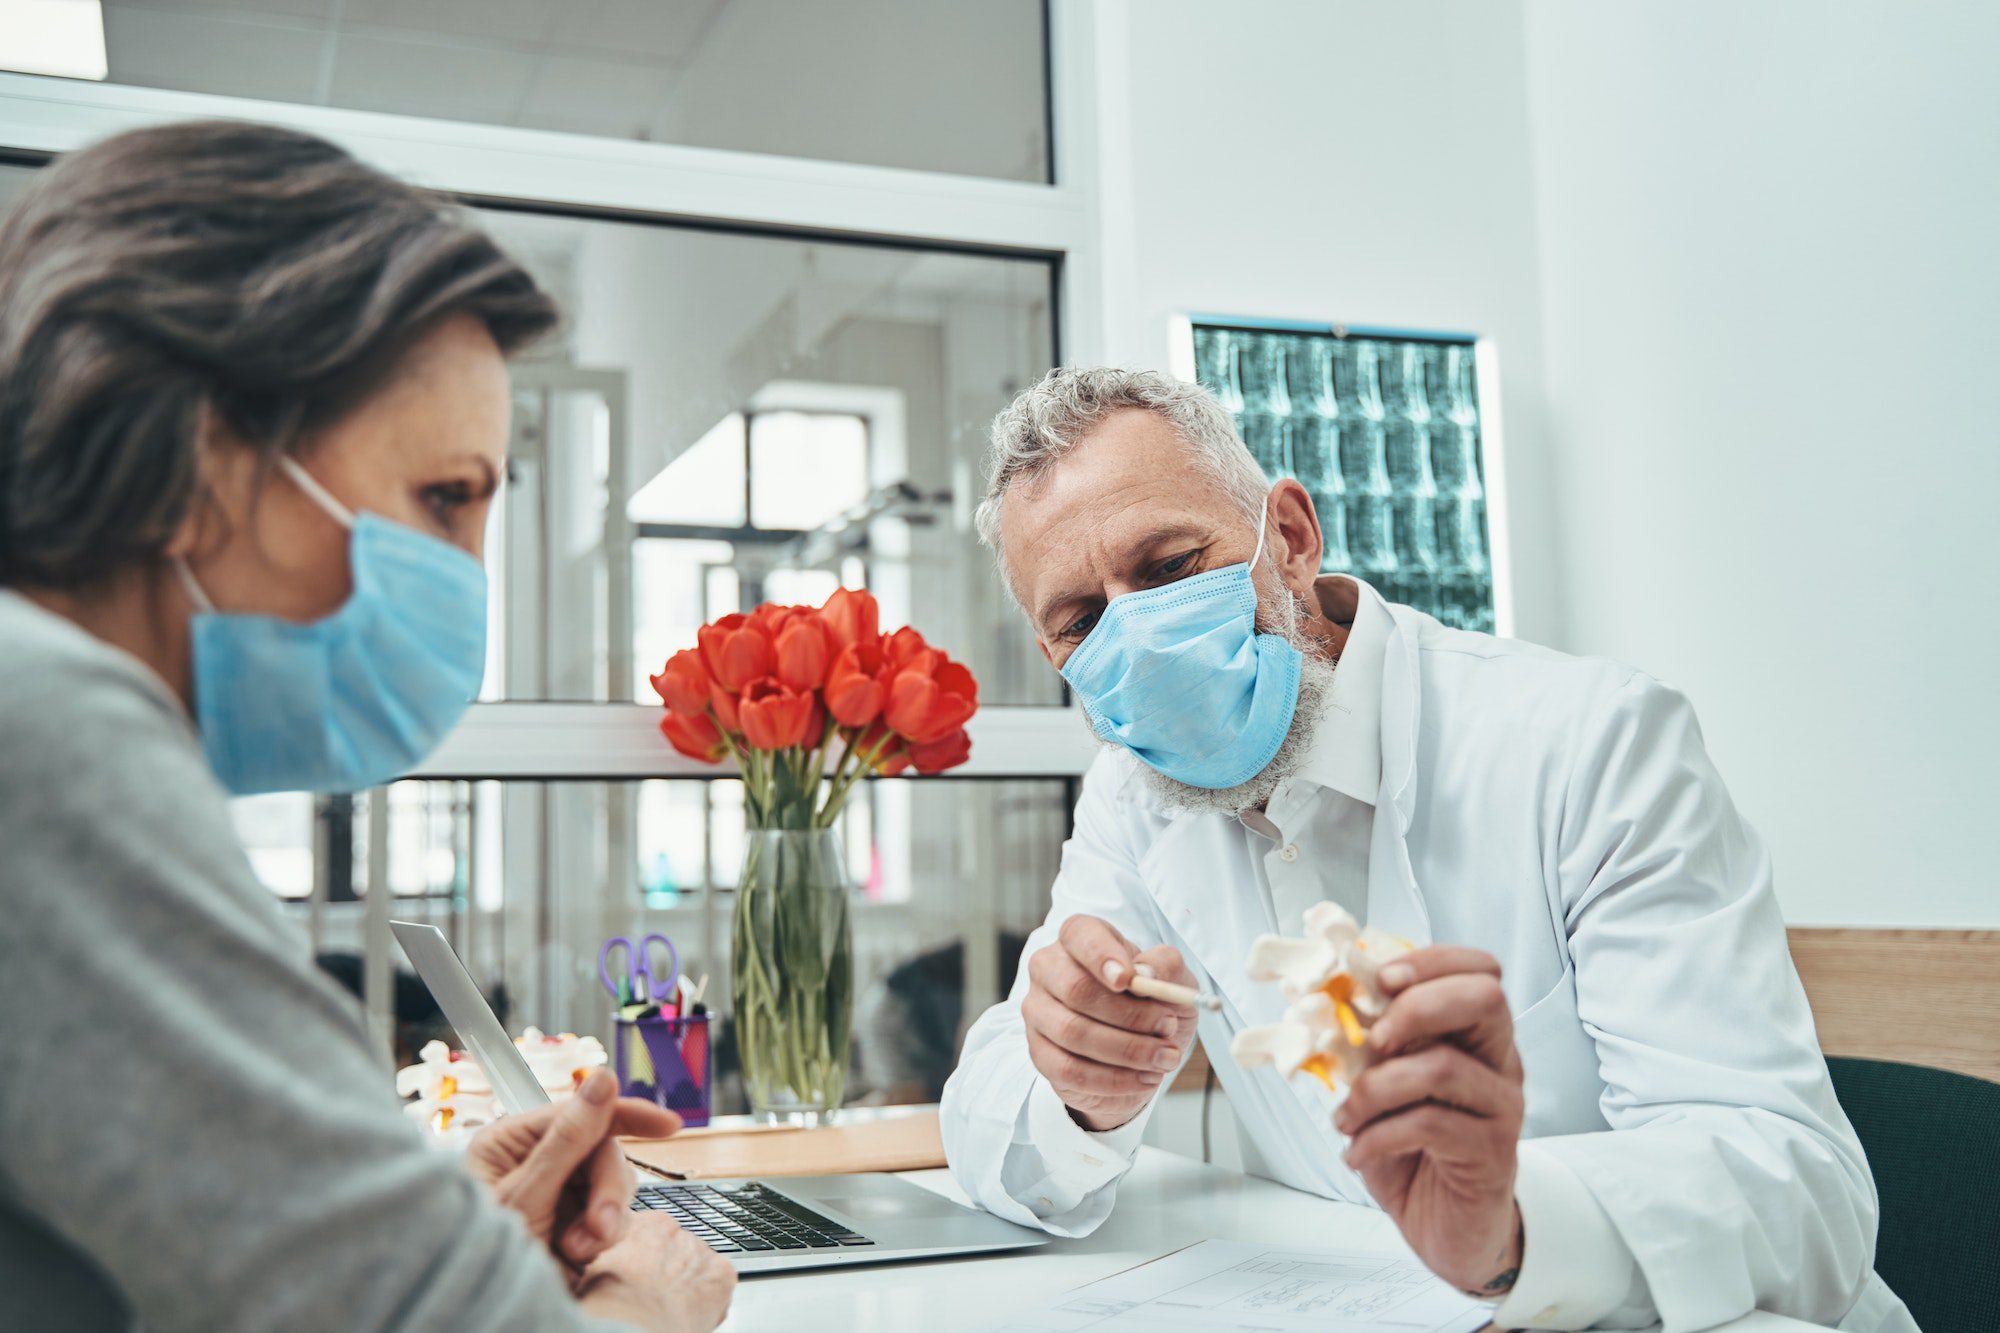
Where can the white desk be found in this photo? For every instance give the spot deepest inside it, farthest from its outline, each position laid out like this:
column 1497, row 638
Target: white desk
column 1166, row 1202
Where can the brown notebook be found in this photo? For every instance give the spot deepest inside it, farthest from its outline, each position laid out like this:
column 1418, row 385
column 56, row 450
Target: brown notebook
column 900, row 1143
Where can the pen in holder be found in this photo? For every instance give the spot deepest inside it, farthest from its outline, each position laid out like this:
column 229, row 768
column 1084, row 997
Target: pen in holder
column 665, row 1060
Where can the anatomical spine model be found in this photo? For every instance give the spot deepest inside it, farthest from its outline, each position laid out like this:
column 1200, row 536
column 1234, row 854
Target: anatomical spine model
column 1330, row 978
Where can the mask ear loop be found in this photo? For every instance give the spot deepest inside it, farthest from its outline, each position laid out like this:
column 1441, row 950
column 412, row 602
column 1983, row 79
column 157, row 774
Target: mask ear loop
column 193, row 589
column 1263, row 519
column 317, row 493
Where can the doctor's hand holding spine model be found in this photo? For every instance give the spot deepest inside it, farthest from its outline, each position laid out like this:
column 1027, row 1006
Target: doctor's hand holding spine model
column 253, row 411
column 1595, row 1095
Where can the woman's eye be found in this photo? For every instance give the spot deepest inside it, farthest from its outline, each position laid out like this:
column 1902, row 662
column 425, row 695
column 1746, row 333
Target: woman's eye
column 446, row 498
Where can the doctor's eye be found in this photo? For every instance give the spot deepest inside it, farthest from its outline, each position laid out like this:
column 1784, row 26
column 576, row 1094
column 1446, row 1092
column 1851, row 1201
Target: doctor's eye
column 1179, row 565
column 1080, row 627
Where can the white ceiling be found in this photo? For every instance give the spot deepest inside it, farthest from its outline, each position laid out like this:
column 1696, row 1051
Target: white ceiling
column 929, row 85
column 587, row 66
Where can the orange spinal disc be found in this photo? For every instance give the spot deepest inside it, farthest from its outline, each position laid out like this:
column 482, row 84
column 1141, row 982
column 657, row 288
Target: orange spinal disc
column 1349, row 1024
column 444, row 1117
column 447, row 1087
column 1316, row 1066
column 576, row 1078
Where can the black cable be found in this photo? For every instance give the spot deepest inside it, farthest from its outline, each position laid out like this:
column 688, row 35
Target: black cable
column 1207, row 1087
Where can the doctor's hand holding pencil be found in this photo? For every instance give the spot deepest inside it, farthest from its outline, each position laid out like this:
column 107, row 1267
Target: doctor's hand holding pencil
column 1093, row 1033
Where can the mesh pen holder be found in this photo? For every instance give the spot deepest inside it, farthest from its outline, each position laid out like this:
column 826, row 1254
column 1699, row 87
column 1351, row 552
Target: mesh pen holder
column 665, row 1061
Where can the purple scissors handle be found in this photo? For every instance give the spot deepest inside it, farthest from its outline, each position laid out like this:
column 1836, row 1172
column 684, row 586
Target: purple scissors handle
column 645, row 983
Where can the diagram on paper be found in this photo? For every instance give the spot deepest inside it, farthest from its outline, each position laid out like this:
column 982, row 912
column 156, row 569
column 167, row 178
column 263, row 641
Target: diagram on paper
column 1233, row 1287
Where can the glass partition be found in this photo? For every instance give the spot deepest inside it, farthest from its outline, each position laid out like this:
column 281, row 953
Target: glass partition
column 528, row 879
column 728, row 419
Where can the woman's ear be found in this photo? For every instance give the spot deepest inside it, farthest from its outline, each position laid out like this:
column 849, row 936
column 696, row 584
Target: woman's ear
column 225, row 477
column 1296, row 540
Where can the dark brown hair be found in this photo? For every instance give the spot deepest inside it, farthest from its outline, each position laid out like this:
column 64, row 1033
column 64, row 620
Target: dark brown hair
column 259, row 273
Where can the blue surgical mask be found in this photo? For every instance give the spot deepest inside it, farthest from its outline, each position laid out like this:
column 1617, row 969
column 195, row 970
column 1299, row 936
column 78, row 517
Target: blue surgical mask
column 359, row 697
column 1180, row 676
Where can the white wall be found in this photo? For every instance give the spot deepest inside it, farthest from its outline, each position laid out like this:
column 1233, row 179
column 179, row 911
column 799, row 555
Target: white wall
column 1770, row 270
column 1741, row 261
column 1349, row 160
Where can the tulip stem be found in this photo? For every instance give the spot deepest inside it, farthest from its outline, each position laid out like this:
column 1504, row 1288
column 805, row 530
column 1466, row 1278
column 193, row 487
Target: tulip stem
column 843, row 783
column 816, row 757
column 840, row 769
column 756, row 782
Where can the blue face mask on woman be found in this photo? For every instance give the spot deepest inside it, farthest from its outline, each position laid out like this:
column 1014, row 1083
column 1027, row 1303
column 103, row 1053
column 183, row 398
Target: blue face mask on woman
column 1179, row 676
column 355, row 699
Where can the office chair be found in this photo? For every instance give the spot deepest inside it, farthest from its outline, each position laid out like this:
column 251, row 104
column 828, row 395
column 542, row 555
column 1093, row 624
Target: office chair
column 1933, row 1139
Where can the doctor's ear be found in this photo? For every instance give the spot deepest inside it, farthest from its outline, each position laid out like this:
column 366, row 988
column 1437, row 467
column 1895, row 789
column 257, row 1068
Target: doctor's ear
column 1294, row 536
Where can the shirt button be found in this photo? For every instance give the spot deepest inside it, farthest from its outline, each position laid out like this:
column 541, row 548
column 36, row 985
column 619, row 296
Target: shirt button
column 1045, row 1203
column 1289, row 853
column 1088, row 1160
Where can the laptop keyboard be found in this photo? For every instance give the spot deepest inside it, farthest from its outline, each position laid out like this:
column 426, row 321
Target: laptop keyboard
column 746, row 1218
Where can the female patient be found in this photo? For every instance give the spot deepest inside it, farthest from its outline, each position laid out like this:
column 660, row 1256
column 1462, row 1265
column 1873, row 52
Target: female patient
column 253, row 409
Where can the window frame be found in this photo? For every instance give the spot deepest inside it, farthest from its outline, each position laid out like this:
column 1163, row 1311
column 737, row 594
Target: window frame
column 548, row 171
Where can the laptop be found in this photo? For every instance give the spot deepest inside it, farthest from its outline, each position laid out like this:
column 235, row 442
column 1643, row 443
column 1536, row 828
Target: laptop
column 762, row 1226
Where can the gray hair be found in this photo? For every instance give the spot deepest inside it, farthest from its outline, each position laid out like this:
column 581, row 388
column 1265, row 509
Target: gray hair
column 1046, row 422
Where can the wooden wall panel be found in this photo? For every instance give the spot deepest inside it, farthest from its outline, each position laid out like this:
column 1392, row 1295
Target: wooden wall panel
column 1922, row 997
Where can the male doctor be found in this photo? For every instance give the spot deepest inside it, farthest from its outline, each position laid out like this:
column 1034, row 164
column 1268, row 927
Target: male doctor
column 1595, row 1097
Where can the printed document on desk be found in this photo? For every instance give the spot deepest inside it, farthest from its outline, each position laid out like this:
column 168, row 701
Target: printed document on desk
column 1226, row 1286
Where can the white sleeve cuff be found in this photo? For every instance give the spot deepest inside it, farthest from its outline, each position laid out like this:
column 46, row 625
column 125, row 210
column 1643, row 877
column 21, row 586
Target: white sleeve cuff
column 1080, row 1158
column 1575, row 1267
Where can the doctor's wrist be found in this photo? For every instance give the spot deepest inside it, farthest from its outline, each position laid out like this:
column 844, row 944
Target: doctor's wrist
column 1104, row 1120
column 1506, row 1264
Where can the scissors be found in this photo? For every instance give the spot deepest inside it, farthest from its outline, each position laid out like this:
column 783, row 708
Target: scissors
column 642, row 984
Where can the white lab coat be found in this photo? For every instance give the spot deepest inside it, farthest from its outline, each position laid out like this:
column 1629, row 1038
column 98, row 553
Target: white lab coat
column 1562, row 814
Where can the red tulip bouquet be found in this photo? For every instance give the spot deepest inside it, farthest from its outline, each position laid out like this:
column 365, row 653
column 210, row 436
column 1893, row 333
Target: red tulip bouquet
column 808, row 703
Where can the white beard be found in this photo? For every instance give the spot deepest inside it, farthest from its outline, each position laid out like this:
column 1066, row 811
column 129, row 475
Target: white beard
column 1315, row 683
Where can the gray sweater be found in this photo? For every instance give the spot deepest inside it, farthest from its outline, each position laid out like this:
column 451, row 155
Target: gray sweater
column 193, row 1133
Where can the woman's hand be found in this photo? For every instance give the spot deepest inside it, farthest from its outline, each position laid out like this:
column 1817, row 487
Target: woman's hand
column 560, row 1166
column 659, row 1278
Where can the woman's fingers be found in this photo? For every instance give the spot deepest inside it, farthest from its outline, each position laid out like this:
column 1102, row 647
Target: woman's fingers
column 575, row 1130
column 636, row 1119
column 606, row 1204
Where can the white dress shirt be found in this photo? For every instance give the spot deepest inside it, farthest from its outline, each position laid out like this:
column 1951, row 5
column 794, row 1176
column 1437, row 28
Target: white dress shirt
column 1677, row 1163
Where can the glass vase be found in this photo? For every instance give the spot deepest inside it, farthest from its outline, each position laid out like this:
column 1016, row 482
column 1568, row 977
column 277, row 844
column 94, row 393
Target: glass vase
column 792, row 971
